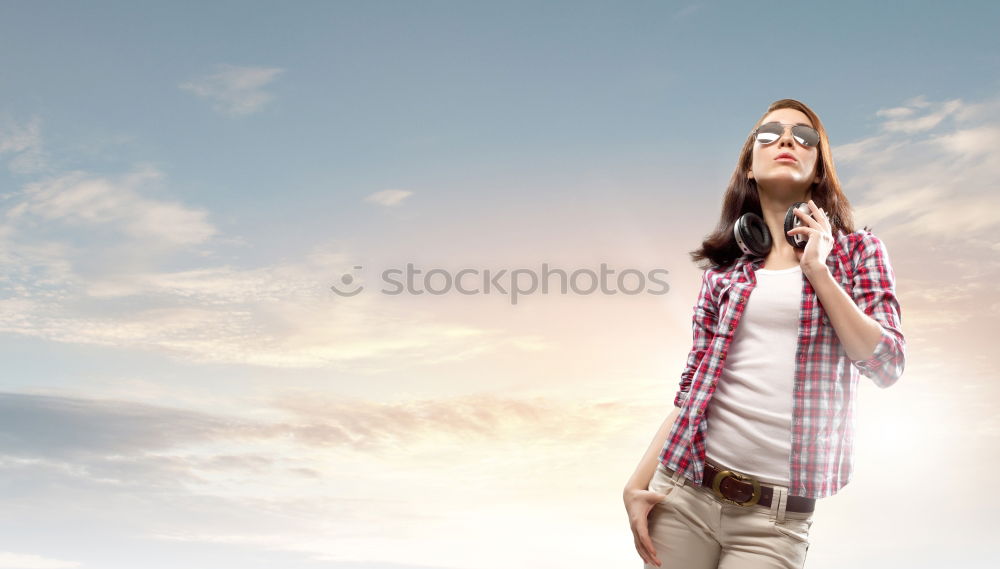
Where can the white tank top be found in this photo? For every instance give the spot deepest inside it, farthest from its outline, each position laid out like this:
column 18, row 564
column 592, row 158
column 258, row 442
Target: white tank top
column 750, row 414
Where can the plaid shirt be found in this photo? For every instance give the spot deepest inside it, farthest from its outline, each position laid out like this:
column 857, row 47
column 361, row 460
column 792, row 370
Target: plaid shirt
column 826, row 379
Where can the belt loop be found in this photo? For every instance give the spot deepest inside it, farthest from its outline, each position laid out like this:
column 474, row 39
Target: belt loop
column 783, row 501
column 775, row 498
column 678, row 478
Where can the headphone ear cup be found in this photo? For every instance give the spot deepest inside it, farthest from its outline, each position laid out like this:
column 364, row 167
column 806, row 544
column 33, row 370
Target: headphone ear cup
column 752, row 235
column 792, row 221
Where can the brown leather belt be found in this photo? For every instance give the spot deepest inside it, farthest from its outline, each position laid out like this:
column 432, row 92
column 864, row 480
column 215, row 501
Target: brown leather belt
column 740, row 489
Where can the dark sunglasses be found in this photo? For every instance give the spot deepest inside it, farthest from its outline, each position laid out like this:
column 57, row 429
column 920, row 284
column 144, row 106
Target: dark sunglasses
column 769, row 132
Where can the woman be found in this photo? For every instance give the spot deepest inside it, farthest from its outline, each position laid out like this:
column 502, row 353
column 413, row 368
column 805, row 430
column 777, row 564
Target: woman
column 762, row 424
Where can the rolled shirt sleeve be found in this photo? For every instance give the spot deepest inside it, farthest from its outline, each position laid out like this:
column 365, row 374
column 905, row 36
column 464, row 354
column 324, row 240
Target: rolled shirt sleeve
column 874, row 291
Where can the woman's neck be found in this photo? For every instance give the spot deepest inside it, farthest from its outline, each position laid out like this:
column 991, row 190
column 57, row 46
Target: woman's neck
column 782, row 254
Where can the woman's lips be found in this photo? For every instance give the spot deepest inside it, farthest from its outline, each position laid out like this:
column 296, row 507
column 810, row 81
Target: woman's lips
column 785, row 159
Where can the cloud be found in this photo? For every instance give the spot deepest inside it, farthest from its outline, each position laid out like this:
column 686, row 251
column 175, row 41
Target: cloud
column 936, row 292
column 49, row 427
column 80, row 258
column 77, row 429
column 971, row 142
column 928, row 176
column 382, row 427
column 79, row 199
column 28, row 561
column 909, row 118
column 105, row 445
column 388, row 198
column 61, row 286
column 280, row 316
column 235, row 90
column 23, row 143
column 315, row 458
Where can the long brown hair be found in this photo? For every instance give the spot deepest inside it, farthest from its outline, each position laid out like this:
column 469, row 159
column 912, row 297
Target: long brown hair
column 719, row 248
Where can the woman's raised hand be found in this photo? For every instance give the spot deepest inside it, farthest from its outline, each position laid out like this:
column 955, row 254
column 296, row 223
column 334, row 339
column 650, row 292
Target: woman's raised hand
column 819, row 231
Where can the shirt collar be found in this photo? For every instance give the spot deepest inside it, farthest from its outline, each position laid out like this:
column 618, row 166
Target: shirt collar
column 747, row 265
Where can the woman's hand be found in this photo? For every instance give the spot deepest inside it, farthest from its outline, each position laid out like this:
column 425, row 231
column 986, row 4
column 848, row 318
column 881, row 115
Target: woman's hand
column 638, row 503
column 819, row 242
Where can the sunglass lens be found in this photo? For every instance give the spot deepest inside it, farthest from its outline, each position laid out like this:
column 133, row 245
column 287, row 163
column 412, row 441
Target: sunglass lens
column 806, row 135
column 768, row 133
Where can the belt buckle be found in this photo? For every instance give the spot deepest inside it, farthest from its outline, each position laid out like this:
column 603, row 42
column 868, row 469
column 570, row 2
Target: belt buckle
column 717, row 487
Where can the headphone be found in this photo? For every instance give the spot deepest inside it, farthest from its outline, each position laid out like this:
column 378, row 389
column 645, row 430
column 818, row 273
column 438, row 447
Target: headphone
column 754, row 238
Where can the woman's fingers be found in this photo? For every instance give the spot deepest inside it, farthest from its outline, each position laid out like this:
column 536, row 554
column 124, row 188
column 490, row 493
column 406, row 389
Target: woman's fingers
column 819, row 214
column 653, row 498
column 640, row 534
column 641, row 550
column 650, row 549
column 806, row 218
column 644, row 545
column 642, row 502
column 815, row 208
column 806, row 230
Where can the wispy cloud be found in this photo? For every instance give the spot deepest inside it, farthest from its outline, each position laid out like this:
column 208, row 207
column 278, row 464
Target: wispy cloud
column 72, row 247
column 22, row 143
column 79, row 199
column 388, row 197
column 311, row 455
column 69, row 427
column 389, row 427
column 928, row 175
column 29, row 561
column 320, row 476
column 80, row 429
column 917, row 115
column 235, row 90
column 280, row 316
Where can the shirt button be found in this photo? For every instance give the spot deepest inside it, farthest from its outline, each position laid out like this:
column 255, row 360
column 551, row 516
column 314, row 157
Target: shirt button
column 740, row 301
column 700, row 411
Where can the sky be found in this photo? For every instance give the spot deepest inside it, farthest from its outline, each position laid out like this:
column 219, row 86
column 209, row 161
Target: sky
column 184, row 185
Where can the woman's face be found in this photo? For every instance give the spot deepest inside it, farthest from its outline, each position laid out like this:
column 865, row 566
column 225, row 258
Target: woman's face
column 784, row 178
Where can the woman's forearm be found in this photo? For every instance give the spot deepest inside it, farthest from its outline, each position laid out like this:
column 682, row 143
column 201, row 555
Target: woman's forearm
column 647, row 465
column 857, row 332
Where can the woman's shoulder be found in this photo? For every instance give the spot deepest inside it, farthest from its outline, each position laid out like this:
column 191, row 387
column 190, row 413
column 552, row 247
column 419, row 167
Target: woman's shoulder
column 863, row 244
column 719, row 276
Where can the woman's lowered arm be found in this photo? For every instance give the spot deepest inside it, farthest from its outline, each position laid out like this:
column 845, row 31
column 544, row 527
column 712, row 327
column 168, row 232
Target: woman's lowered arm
column 647, row 464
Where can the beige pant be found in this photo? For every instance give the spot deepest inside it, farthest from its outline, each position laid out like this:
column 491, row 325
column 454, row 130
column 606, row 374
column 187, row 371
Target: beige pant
column 692, row 529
